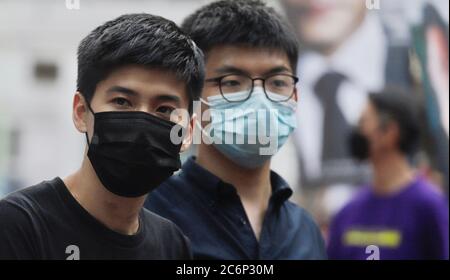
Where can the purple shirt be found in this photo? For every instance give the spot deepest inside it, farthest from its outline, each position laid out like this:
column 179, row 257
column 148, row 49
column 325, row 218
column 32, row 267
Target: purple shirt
column 411, row 224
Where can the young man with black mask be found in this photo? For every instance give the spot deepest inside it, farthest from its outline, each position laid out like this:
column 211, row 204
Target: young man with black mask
column 227, row 200
column 400, row 214
column 133, row 72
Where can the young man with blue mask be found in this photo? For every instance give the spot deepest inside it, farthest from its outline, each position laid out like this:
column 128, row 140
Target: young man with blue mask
column 227, row 200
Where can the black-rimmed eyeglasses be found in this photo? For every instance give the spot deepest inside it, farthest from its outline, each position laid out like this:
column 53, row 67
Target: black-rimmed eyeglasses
column 277, row 87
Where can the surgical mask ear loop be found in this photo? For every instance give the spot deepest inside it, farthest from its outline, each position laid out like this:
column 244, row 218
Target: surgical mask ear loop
column 205, row 102
column 87, row 138
column 90, row 109
column 197, row 123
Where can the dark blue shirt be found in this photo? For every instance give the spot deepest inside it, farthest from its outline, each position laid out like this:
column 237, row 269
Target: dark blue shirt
column 209, row 211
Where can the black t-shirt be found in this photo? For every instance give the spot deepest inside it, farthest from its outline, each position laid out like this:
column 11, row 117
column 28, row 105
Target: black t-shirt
column 46, row 222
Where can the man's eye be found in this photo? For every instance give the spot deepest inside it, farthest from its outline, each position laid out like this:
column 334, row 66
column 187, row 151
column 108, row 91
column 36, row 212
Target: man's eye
column 231, row 83
column 122, row 102
column 279, row 83
column 165, row 111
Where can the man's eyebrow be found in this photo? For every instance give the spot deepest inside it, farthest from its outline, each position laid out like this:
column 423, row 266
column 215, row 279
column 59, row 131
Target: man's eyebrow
column 121, row 89
column 169, row 97
column 160, row 97
column 230, row 70
column 278, row 70
column 235, row 70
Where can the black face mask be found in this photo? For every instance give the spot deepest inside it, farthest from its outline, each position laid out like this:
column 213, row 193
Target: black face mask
column 131, row 152
column 358, row 145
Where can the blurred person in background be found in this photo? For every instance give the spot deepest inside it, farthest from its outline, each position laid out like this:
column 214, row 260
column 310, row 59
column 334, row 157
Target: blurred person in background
column 347, row 51
column 227, row 200
column 344, row 55
column 133, row 72
column 400, row 212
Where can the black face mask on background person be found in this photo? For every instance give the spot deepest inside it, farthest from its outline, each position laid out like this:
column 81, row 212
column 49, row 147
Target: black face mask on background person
column 131, row 152
column 358, row 145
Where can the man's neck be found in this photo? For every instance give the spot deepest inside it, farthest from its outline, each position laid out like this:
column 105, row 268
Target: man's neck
column 252, row 185
column 120, row 214
column 392, row 173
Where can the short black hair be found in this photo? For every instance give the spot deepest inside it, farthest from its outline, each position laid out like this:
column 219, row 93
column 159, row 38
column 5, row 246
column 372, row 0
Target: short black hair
column 246, row 22
column 395, row 104
column 139, row 39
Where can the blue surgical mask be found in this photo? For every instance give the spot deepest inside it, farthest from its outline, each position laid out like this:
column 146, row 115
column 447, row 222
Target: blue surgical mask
column 250, row 132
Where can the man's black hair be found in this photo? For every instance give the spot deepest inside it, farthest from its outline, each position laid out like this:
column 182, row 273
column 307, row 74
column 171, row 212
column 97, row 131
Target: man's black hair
column 394, row 104
column 241, row 22
column 139, row 39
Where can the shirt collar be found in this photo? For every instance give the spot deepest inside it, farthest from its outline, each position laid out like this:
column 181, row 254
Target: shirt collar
column 219, row 189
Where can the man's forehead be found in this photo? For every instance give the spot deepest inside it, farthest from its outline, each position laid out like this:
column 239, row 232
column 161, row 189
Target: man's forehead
column 144, row 82
column 249, row 59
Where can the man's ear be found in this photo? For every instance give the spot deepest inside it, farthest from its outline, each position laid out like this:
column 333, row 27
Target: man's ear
column 296, row 93
column 187, row 141
column 80, row 112
column 393, row 134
